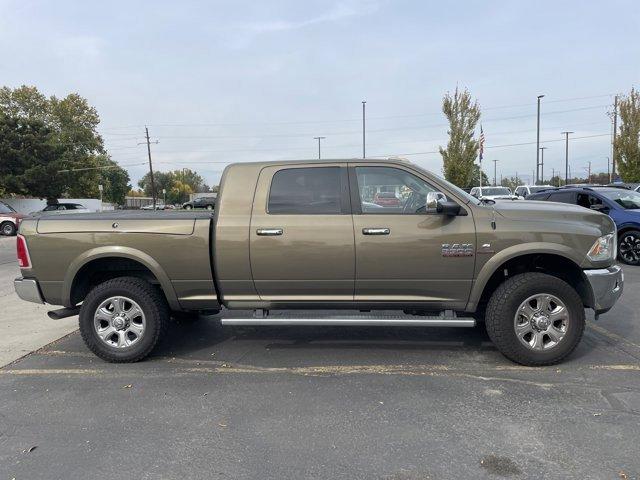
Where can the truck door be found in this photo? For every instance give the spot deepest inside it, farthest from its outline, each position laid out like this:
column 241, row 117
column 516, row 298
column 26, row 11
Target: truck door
column 301, row 234
column 403, row 254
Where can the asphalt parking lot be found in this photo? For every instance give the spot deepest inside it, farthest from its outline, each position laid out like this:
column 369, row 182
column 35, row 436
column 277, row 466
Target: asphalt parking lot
column 294, row 403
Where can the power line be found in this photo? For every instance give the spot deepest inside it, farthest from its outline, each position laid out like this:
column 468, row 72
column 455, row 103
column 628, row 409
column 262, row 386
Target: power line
column 297, row 122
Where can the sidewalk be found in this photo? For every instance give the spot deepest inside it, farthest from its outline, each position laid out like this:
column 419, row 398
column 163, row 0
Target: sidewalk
column 24, row 326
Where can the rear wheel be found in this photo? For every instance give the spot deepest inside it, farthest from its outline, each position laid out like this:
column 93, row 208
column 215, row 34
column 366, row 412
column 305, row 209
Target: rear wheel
column 629, row 247
column 8, row 229
column 535, row 319
column 122, row 320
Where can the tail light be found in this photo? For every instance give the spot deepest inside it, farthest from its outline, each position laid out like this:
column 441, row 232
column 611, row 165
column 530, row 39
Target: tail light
column 23, row 253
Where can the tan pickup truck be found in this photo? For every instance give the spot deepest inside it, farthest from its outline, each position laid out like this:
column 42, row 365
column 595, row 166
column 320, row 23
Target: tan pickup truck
column 384, row 241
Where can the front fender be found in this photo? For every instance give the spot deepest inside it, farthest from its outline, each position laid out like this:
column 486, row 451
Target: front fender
column 120, row 252
column 494, row 263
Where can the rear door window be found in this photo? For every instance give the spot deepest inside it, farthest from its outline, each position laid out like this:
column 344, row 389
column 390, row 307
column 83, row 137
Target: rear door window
column 310, row 190
column 563, row 197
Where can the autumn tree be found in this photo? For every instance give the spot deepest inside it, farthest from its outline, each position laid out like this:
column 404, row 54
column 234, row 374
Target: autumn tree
column 627, row 142
column 459, row 156
column 54, row 147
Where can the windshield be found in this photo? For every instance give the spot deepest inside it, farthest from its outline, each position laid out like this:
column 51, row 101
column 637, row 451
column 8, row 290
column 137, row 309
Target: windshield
column 4, row 208
column 496, row 191
column 540, row 188
column 627, row 199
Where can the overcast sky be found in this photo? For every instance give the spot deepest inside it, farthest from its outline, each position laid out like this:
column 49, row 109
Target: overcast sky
column 220, row 82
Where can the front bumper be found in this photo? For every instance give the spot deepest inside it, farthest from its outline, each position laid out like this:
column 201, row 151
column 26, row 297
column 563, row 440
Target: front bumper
column 606, row 285
column 28, row 289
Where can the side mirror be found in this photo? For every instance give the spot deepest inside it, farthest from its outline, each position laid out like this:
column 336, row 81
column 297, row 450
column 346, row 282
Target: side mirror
column 437, row 203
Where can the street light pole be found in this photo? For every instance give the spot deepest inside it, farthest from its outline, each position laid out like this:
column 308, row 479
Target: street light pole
column 538, row 138
column 542, row 149
column 319, row 138
column 364, row 102
column 566, row 157
column 495, row 163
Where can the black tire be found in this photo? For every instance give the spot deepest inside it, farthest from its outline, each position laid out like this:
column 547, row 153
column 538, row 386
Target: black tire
column 629, row 247
column 7, row 228
column 151, row 302
column 209, row 207
column 188, row 207
column 502, row 308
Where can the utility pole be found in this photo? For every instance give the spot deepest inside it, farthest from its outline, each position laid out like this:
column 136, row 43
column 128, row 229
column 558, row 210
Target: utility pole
column 566, row 157
column 495, row 162
column 589, row 178
column 364, row 102
column 319, row 138
column 553, row 174
column 608, row 171
column 153, row 184
column 538, row 139
column 542, row 149
column 615, row 132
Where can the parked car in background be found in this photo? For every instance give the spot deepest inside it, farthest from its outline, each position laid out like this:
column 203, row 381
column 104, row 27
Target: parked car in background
column 493, row 193
column 622, row 205
column 386, row 199
column 9, row 219
column 524, row 190
column 62, row 208
column 201, row 202
column 159, row 206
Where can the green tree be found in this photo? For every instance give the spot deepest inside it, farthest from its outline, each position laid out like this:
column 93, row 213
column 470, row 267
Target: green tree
column 30, row 159
column 178, row 184
column 627, row 143
column 458, row 158
column 475, row 179
column 512, row 182
column 115, row 181
column 73, row 165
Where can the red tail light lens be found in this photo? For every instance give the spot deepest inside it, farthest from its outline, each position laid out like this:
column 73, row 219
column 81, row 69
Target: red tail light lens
column 23, row 254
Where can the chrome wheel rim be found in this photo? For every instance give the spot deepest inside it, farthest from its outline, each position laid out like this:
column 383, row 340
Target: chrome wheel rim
column 119, row 322
column 630, row 248
column 541, row 322
column 7, row 229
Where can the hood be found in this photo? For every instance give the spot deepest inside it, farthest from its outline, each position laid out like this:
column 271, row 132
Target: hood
column 532, row 210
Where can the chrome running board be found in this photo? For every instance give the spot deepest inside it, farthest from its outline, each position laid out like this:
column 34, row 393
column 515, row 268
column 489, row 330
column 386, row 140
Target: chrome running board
column 445, row 319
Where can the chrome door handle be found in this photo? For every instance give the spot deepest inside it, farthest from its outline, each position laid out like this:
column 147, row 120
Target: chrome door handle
column 376, row 231
column 269, row 232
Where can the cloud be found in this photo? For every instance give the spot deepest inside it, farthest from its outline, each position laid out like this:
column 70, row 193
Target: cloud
column 246, row 32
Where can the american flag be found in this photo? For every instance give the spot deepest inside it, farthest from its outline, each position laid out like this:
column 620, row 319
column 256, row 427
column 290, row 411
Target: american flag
column 481, row 143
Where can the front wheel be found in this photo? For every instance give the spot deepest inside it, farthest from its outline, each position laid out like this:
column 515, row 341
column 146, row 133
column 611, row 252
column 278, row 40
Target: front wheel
column 8, row 229
column 629, row 247
column 122, row 320
column 188, row 207
column 535, row 319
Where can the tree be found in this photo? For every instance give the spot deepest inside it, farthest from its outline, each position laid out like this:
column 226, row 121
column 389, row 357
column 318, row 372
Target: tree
column 178, row 184
column 462, row 149
column 115, row 181
column 512, row 182
column 30, row 159
column 70, row 159
column 627, row 143
column 475, row 179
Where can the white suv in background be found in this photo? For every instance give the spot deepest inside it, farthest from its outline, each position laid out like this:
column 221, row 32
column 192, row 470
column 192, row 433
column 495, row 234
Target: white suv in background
column 493, row 193
column 524, row 190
